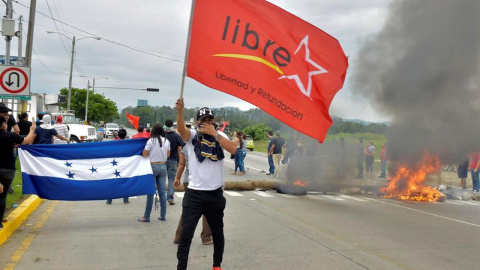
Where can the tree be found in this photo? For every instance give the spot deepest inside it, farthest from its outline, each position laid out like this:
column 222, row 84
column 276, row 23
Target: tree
column 99, row 108
column 257, row 131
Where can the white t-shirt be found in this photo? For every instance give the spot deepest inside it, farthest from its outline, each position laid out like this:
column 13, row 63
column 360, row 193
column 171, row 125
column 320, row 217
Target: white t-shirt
column 207, row 175
column 157, row 153
column 62, row 130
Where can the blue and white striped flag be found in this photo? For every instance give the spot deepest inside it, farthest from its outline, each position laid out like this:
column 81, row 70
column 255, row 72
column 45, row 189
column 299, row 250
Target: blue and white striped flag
column 87, row 171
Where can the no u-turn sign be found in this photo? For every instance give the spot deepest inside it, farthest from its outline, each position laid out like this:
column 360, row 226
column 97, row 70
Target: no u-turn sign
column 14, row 80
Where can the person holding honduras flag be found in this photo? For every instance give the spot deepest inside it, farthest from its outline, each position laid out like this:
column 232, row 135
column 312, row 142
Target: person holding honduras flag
column 90, row 171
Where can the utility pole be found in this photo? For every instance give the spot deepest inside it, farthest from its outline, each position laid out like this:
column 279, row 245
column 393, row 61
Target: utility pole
column 70, row 78
column 31, row 24
column 7, row 20
column 19, row 34
column 86, row 103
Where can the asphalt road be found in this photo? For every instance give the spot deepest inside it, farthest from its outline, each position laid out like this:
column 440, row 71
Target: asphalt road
column 263, row 230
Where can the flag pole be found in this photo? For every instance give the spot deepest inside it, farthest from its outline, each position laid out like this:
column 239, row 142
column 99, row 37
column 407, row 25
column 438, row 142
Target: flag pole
column 187, row 49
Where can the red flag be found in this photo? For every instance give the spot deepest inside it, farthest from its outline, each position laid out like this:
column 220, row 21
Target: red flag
column 262, row 54
column 225, row 124
column 133, row 120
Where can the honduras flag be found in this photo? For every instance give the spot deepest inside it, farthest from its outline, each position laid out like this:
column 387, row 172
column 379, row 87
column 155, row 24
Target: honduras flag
column 86, row 171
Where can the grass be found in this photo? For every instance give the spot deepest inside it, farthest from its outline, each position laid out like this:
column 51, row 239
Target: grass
column 17, row 195
column 352, row 138
column 376, row 139
column 261, row 146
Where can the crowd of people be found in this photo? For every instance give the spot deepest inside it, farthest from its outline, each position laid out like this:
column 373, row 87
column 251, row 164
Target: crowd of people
column 12, row 133
column 196, row 150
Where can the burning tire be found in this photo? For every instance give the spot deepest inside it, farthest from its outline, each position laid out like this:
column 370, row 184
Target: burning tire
column 291, row 189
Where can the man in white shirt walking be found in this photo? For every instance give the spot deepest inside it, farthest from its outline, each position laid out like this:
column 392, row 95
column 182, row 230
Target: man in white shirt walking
column 204, row 195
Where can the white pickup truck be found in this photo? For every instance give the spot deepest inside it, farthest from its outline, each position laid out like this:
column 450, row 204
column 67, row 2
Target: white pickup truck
column 78, row 133
column 110, row 130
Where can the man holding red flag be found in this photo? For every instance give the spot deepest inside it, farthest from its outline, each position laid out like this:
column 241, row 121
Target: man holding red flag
column 262, row 54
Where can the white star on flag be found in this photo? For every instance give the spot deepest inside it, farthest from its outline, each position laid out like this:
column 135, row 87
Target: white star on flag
column 320, row 70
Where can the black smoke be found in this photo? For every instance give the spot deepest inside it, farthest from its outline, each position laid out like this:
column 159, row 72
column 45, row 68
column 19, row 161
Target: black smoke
column 422, row 69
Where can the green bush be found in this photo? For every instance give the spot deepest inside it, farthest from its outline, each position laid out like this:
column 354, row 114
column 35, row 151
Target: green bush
column 257, row 131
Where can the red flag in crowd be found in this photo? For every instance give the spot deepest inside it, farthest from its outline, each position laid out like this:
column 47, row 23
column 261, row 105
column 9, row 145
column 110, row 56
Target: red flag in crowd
column 262, row 54
column 133, row 120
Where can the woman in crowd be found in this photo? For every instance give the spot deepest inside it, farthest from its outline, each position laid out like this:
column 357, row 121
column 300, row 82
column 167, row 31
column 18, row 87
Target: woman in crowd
column 157, row 150
column 240, row 154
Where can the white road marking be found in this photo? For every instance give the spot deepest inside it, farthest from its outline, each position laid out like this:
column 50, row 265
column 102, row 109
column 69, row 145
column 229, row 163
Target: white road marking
column 288, row 196
column 263, row 194
column 233, row 193
column 469, row 203
column 179, row 194
column 333, row 198
column 250, row 167
column 427, row 213
column 352, row 198
column 314, row 197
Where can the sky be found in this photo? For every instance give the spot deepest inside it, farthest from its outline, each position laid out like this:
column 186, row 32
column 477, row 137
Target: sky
column 143, row 46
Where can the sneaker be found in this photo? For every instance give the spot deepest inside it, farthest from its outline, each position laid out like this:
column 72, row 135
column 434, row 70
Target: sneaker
column 171, row 202
column 127, row 202
column 142, row 219
column 208, row 242
column 109, row 202
column 176, row 242
column 162, row 219
column 269, row 173
column 216, row 268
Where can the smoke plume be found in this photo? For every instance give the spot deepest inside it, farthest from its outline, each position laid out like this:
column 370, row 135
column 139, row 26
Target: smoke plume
column 422, row 69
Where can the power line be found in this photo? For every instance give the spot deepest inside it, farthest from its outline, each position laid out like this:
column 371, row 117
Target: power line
column 120, row 88
column 41, row 62
column 105, row 39
column 76, row 64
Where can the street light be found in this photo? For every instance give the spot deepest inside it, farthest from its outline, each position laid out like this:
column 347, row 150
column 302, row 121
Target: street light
column 88, row 90
column 71, row 62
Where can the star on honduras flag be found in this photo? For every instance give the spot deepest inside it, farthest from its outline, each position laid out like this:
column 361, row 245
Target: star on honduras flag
column 87, row 171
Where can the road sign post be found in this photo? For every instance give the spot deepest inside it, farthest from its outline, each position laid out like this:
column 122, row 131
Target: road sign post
column 14, row 80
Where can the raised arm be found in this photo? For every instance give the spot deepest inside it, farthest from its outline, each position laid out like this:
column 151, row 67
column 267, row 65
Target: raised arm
column 31, row 135
column 181, row 127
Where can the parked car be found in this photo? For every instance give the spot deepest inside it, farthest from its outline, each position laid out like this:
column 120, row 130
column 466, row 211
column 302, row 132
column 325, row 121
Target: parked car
column 110, row 130
column 250, row 144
